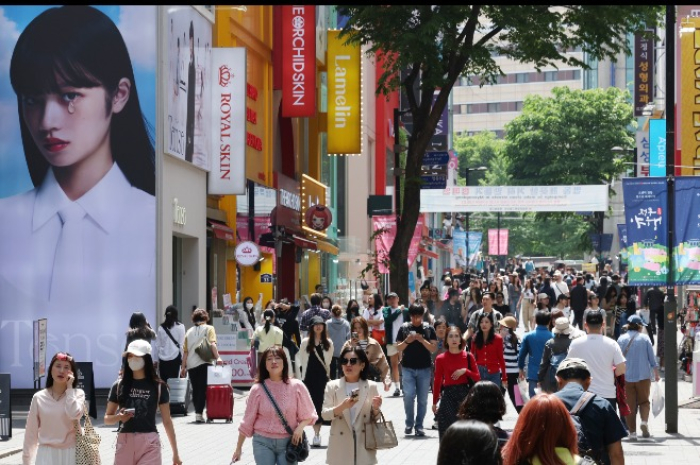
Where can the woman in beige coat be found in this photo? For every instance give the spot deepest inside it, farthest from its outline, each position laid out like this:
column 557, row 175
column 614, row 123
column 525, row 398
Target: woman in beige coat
column 351, row 402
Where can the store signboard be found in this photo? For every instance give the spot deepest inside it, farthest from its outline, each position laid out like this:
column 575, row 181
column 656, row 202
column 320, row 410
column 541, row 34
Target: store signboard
column 298, row 61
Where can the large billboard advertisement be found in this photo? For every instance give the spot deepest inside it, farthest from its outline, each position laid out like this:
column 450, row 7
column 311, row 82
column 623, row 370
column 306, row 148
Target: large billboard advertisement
column 344, row 110
column 188, row 124
column 77, row 181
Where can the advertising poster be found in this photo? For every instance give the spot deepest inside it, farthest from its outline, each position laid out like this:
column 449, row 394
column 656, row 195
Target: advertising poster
column 647, row 226
column 474, row 242
column 77, row 181
column 687, row 217
column 384, row 241
column 498, row 241
column 344, row 104
column 459, row 247
column 188, row 129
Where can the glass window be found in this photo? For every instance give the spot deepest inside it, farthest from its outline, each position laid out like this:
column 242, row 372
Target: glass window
column 522, row 78
column 518, row 106
column 493, row 107
column 470, row 108
column 550, row 75
column 577, row 74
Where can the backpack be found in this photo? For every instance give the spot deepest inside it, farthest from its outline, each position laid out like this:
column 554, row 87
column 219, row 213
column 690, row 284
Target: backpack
column 585, row 451
column 554, row 361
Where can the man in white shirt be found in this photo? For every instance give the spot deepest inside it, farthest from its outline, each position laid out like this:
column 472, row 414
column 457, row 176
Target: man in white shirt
column 601, row 354
column 559, row 286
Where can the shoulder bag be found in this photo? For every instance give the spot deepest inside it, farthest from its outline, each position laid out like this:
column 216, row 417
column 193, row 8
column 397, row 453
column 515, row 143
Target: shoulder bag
column 297, row 453
column 203, row 348
column 87, row 442
column 379, row 433
column 167, row 331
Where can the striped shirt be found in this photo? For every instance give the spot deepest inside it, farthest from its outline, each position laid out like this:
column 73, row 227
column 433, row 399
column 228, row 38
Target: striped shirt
column 510, row 354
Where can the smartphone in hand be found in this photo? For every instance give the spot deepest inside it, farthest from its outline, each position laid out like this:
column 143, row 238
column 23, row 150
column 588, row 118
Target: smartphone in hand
column 355, row 393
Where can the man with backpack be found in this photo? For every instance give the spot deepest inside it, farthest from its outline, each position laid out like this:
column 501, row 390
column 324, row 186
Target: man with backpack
column 599, row 428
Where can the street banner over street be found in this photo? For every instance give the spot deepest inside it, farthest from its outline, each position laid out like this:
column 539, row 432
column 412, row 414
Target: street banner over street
column 498, row 246
column 647, row 226
column 687, row 238
column 515, row 199
column 384, row 241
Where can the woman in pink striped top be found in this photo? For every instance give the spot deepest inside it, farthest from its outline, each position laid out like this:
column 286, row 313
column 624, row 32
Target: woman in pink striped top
column 260, row 420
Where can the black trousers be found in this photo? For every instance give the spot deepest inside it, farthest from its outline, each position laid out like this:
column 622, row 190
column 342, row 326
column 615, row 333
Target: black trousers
column 198, row 378
column 578, row 318
column 170, row 368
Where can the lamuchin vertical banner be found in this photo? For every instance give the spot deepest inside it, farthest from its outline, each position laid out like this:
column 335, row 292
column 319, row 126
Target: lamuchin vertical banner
column 298, row 61
column 647, row 225
column 344, row 90
column 687, row 228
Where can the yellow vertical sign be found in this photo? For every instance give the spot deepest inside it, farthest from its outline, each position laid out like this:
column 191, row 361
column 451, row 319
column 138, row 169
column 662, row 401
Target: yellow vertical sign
column 690, row 93
column 344, row 90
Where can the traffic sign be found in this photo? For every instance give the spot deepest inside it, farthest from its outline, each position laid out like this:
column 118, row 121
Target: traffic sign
column 434, row 182
column 435, row 158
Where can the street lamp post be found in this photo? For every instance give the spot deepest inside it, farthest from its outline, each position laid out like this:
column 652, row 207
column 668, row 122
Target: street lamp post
column 466, row 177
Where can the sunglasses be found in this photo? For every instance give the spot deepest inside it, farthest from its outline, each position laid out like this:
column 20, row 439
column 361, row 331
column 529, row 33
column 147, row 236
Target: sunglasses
column 348, row 361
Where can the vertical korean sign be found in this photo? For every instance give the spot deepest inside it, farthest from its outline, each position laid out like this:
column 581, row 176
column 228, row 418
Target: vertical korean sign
column 498, row 246
column 657, row 147
column 343, row 96
column 298, row 60
column 227, row 175
column 689, row 123
column 647, row 226
column 687, row 218
column 643, row 72
column 642, row 142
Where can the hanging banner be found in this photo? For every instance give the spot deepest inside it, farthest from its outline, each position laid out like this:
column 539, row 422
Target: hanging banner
column 647, row 226
column 687, row 218
column 657, row 147
column 384, row 241
column 643, row 72
column 227, row 175
column 474, row 243
column 298, row 61
column 344, row 134
column 515, row 199
column 642, row 142
column 498, row 246
column 622, row 241
column 690, row 108
column 459, row 247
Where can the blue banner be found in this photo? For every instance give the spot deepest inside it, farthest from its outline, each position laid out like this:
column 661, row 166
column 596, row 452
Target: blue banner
column 622, row 241
column 601, row 242
column 475, row 239
column 657, row 147
column 647, row 226
column 687, row 218
column 459, row 247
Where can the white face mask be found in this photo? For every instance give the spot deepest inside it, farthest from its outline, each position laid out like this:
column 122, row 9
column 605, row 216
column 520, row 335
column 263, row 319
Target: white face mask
column 326, row 305
column 248, row 306
column 137, row 364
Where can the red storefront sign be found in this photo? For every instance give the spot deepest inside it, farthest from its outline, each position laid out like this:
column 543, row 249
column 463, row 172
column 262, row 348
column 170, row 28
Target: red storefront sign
column 298, row 61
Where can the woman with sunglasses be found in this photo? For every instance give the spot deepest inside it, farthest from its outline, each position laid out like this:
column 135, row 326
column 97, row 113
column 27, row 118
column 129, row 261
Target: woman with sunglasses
column 49, row 434
column 378, row 365
column 349, row 403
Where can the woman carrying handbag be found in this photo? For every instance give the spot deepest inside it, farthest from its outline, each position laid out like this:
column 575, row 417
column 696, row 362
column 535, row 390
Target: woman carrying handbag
column 349, row 403
column 50, row 432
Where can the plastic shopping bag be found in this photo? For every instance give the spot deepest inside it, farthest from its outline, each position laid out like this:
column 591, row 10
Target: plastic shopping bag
column 657, row 399
column 524, row 390
column 518, row 398
column 219, row 374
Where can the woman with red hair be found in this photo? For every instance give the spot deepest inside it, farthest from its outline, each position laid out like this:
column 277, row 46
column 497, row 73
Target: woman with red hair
column 543, row 435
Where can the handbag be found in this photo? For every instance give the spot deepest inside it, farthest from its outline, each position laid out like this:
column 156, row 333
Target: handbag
column 203, row 349
column 295, row 453
column 380, row 434
column 364, row 285
column 379, row 335
column 87, row 442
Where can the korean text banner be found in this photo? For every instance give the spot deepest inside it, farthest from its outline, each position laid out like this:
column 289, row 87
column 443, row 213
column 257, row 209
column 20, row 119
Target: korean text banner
column 515, row 199
column 647, row 226
column 643, row 72
column 298, row 61
column 642, row 142
column 83, row 259
column 498, row 241
column 384, row 241
column 687, row 218
column 228, row 99
column 188, row 128
column 343, row 96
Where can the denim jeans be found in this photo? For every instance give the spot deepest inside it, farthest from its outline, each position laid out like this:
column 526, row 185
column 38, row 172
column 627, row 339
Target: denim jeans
column 495, row 378
column 269, row 451
column 416, row 382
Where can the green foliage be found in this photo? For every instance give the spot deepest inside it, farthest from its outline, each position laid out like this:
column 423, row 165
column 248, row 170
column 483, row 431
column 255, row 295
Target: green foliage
column 568, row 138
column 477, row 151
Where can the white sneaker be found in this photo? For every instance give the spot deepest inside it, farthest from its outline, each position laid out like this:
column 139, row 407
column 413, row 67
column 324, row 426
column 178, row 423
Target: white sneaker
column 645, row 430
column 316, row 442
column 632, row 437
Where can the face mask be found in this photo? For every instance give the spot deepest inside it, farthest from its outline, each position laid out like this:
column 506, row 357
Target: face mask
column 136, row 364
column 248, row 306
column 326, row 305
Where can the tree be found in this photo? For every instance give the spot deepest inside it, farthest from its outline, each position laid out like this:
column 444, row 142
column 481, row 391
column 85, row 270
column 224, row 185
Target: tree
column 475, row 151
column 436, row 44
column 569, row 137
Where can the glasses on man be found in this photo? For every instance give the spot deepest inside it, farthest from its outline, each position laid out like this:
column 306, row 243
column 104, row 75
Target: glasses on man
column 349, row 361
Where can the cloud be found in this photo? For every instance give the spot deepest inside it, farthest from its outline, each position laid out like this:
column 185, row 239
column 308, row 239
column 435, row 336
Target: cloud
column 9, row 33
column 138, row 27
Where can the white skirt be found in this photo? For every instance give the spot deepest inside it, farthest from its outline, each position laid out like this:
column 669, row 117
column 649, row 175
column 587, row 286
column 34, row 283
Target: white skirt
column 46, row 455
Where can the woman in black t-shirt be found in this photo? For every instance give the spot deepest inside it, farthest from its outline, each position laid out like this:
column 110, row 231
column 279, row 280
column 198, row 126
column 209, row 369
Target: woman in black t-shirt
column 133, row 401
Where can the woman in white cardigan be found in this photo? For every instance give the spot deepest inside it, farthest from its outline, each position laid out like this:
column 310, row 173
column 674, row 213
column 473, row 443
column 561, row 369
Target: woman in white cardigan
column 350, row 413
column 313, row 363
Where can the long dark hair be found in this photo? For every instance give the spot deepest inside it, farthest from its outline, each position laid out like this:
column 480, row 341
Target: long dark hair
column 378, row 303
column 139, row 328
column 62, row 356
column 263, row 374
column 268, row 322
column 348, row 313
column 82, row 47
column 324, row 339
column 128, row 379
column 479, row 340
column 171, row 318
column 468, row 442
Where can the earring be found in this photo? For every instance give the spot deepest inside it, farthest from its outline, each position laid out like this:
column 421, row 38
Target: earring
column 71, row 107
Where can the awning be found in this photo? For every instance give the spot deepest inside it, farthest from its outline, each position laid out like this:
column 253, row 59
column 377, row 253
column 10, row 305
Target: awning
column 327, row 247
column 427, row 253
column 221, row 231
column 304, row 243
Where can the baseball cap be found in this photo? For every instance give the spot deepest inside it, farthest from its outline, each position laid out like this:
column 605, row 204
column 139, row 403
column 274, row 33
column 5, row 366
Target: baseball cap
column 317, row 320
column 392, row 294
column 139, row 347
column 637, row 320
column 594, row 317
column 572, row 364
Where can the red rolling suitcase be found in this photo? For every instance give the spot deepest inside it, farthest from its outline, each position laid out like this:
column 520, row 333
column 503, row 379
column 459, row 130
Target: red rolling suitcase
column 220, row 403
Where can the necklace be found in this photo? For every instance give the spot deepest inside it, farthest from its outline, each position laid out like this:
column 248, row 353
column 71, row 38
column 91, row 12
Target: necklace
column 54, row 397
